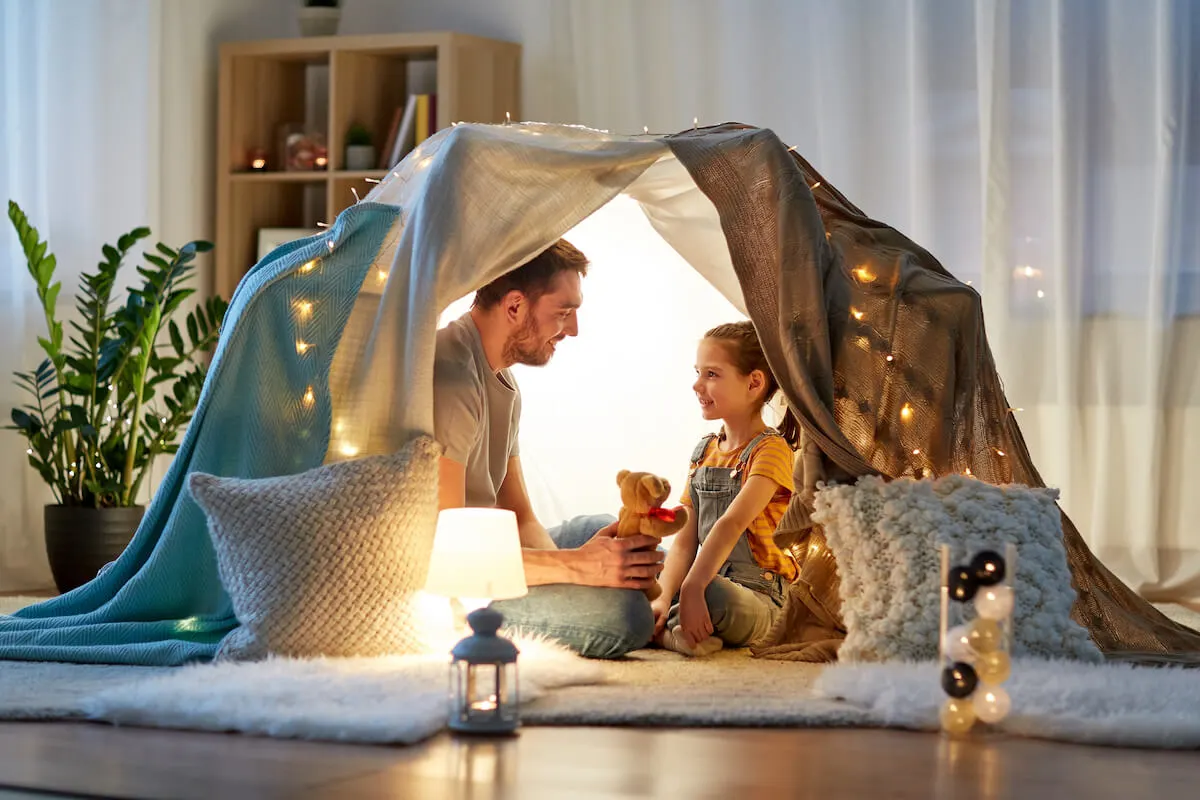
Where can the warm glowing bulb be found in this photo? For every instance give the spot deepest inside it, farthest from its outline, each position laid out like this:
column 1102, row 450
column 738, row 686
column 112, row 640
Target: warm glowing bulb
column 916, row 451
column 967, row 471
column 890, row 357
column 308, row 266
column 348, row 450
column 304, row 308
column 645, row 129
column 1000, row 453
column 381, row 275
column 957, row 716
column 507, row 117
column 1041, row 294
column 302, row 347
column 854, row 312
column 863, row 274
column 309, row 397
column 320, row 162
column 695, row 121
column 258, row 163
column 906, row 412
column 991, row 704
column 815, row 186
column 1029, row 272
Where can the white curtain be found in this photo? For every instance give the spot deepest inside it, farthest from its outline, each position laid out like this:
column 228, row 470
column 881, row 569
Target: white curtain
column 77, row 84
column 1046, row 151
column 1032, row 146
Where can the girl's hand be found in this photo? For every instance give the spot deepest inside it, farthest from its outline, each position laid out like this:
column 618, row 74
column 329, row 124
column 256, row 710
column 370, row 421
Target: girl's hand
column 661, row 606
column 694, row 618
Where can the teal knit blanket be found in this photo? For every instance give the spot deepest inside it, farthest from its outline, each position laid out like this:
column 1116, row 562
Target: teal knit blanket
column 162, row 603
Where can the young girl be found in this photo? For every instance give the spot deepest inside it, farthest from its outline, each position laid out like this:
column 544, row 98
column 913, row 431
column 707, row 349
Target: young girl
column 724, row 576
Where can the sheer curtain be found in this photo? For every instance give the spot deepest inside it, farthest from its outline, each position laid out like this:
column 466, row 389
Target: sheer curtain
column 76, row 95
column 1046, row 151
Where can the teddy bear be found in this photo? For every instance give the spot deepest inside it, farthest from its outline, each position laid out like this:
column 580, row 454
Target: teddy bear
column 642, row 495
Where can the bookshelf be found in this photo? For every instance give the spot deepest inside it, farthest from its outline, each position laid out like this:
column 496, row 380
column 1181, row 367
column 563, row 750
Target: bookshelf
column 326, row 84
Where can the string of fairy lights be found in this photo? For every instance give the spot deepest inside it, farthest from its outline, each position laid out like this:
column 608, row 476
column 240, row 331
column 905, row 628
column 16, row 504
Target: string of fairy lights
column 862, row 274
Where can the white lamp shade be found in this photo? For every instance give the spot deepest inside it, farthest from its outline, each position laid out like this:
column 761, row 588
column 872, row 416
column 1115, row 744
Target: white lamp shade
column 477, row 553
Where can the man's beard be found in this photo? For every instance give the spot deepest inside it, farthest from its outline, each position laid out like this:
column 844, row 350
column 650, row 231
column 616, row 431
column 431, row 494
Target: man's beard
column 525, row 346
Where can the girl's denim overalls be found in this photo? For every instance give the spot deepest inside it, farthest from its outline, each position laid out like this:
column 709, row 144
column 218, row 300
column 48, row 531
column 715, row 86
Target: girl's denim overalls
column 735, row 614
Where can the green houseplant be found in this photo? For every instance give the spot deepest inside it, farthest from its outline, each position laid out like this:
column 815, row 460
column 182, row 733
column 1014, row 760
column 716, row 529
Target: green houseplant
column 319, row 17
column 109, row 398
column 360, row 152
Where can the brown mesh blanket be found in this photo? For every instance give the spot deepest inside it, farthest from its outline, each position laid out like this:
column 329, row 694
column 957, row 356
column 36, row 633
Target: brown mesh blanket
column 883, row 357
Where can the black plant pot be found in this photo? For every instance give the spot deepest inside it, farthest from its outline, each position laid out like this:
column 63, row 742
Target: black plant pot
column 79, row 541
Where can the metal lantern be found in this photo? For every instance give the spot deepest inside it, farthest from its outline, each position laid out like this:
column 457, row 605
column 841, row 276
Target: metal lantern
column 483, row 678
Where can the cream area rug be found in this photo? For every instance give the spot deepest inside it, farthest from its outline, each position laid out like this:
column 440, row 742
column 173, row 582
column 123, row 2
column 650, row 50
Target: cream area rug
column 403, row 700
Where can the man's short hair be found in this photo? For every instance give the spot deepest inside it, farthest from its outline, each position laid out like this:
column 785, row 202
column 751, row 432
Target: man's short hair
column 534, row 278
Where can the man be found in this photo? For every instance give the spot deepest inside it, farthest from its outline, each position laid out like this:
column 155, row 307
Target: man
column 585, row 584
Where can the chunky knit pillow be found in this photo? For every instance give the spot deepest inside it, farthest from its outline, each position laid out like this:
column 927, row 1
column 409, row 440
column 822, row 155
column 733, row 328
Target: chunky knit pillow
column 885, row 537
column 327, row 562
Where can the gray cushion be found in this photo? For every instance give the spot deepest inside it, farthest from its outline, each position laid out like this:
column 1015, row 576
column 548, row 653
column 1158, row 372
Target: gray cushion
column 327, row 562
column 885, row 537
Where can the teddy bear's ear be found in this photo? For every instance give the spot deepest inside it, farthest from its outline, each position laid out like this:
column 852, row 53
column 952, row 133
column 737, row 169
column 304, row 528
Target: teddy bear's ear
column 621, row 476
column 652, row 485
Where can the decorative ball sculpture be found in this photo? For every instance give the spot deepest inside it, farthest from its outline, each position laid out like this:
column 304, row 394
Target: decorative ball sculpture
column 975, row 656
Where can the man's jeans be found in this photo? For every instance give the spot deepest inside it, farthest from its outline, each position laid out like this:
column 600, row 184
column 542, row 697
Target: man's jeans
column 595, row 622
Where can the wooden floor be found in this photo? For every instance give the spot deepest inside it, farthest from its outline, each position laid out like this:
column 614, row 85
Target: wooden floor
column 81, row 759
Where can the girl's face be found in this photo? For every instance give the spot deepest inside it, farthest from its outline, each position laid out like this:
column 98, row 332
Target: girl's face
column 722, row 390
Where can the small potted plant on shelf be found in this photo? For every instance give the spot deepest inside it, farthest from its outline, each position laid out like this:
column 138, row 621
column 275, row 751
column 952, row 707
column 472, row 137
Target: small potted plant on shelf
column 110, row 398
column 320, row 17
column 360, row 153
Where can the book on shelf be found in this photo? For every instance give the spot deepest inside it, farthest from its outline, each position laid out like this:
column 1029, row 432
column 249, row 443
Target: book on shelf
column 412, row 124
column 386, row 151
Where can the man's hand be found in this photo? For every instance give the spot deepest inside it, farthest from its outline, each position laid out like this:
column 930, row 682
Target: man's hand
column 632, row 562
column 694, row 617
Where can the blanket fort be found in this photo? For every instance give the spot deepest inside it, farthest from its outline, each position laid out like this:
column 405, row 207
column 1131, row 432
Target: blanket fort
column 862, row 327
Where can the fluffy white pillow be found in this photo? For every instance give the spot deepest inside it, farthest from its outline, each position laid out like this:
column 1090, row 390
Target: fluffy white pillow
column 327, row 562
column 885, row 537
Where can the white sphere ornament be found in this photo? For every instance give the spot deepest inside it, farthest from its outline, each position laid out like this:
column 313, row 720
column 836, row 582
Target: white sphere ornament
column 994, row 602
column 991, row 703
column 958, row 645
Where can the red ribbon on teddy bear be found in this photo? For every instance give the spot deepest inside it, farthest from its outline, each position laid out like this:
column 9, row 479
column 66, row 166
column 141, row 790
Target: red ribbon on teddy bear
column 665, row 514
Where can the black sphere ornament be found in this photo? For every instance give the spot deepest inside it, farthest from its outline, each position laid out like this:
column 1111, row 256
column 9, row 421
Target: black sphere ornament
column 987, row 567
column 959, row 680
column 962, row 584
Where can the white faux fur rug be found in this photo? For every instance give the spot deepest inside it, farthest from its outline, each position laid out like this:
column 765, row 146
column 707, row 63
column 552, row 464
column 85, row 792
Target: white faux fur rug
column 1104, row 704
column 384, row 700
column 403, row 700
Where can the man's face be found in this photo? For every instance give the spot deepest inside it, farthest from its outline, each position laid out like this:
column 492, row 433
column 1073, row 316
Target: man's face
column 546, row 323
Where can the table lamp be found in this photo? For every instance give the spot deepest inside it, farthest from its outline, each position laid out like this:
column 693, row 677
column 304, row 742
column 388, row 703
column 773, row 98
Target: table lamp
column 476, row 559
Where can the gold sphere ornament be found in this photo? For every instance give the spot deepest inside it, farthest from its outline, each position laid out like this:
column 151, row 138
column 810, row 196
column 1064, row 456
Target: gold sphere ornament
column 994, row 667
column 985, row 636
column 957, row 716
column 991, row 703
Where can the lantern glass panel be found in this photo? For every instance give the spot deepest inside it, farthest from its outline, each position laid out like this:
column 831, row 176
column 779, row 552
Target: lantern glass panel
column 484, row 697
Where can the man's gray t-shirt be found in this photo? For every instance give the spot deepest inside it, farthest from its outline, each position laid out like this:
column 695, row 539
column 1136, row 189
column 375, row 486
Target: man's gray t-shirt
column 476, row 411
